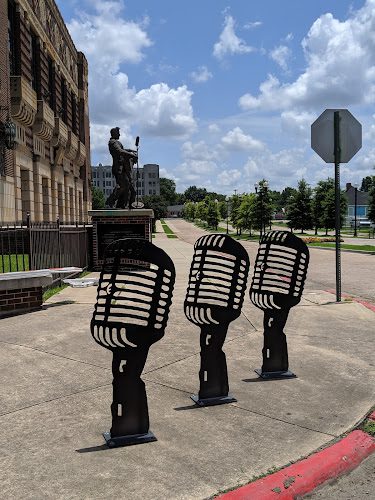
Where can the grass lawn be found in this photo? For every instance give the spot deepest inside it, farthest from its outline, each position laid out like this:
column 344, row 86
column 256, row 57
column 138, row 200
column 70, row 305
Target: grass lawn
column 345, row 246
column 168, row 231
column 10, row 263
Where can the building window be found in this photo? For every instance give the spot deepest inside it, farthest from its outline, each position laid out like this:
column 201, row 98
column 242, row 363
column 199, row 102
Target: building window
column 34, row 63
column 74, row 113
column 51, row 85
column 64, row 100
column 11, row 38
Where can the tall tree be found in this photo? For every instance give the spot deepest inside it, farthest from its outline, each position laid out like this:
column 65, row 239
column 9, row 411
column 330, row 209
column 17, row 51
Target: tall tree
column 367, row 183
column 246, row 211
column 158, row 205
column 212, row 214
column 98, row 198
column 235, row 214
column 168, row 190
column 371, row 207
column 263, row 208
column 193, row 193
column 299, row 209
column 201, row 211
column 328, row 218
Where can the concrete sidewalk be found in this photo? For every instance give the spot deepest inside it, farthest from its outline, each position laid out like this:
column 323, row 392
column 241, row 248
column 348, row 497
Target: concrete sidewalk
column 56, row 395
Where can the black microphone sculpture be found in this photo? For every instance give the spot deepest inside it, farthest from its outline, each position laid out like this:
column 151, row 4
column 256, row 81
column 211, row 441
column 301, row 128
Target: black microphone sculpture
column 278, row 281
column 214, row 298
column 131, row 313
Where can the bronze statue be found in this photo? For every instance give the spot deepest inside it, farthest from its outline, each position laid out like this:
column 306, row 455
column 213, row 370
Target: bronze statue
column 123, row 194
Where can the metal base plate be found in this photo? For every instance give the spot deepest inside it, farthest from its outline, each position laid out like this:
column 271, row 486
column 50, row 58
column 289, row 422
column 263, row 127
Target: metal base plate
column 131, row 439
column 220, row 400
column 275, row 375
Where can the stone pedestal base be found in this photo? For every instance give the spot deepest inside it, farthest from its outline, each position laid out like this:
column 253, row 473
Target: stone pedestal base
column 111, row 225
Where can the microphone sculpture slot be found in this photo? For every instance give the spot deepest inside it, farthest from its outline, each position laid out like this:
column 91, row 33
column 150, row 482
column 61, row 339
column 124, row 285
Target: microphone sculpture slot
column 279, row 276
column 214, row 298
column 131, row 313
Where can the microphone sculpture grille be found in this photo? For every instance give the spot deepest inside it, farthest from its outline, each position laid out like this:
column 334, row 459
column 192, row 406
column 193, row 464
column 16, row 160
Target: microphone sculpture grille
column 280, row 271
column 217, row 280
column 134, row 295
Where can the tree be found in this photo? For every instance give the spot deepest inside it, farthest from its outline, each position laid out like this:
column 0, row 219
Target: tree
column 246, row 211
column 263, row 208
column 371, row 207
column 168, row 190
column 299, row 209
column 158, row 205
column 201, row 211
column 189, row 210
column 98, row 198
column 285, row 196
column 222, row 206
column 235, row 213
column 328, row 206
column 367, row 183
column 193, row 193
column 276, row 201
column 320, row 192
column 212, row 214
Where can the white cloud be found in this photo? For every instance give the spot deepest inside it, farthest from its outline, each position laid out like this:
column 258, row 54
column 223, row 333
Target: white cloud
column 109, row 41
column 229, row 42
column 201, row 74
column 250, row 25
column 229, row 178
column 280, row 55
column 213, row 128
column 199, row 151
column 297, row 123
column 237, row 140
column 340, row 67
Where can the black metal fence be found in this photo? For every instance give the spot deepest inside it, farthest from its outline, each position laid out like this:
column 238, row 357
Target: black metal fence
column 44, row 245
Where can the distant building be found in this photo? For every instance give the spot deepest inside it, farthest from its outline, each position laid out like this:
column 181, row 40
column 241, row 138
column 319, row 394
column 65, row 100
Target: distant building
column 362, row 206
column 148, row 180
column 44, row 93
column 103, row 179
column 175, row 210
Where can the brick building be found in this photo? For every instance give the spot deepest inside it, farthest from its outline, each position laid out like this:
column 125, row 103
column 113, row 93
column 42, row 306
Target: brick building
column 44, row 92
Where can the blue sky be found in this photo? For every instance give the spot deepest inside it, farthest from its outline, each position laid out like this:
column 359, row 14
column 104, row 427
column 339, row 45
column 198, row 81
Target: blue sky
column 223, row 93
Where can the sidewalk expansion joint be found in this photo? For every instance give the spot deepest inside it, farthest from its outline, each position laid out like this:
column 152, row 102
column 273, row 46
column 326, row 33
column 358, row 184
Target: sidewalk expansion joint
column 335, row 436
column 53, row 354
column 55, row 399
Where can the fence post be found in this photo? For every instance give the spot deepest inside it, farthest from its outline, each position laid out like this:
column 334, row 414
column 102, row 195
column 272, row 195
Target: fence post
column 59, row 239
column 31, row 249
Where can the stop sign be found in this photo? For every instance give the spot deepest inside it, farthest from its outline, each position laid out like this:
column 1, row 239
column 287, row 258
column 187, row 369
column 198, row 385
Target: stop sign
column 322, row 135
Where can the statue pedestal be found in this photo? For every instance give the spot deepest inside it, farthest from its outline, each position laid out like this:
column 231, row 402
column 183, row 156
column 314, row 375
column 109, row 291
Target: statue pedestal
column 115, row 224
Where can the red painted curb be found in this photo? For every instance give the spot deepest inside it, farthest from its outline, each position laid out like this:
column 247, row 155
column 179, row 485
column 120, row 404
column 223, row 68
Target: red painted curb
column 369, row 305
column 306, row 475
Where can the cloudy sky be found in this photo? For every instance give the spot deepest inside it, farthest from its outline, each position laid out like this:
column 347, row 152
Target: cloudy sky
column 223, row 93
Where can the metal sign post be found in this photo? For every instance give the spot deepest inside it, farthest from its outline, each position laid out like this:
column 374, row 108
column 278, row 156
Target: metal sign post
column 336, row 136
column 337, row 153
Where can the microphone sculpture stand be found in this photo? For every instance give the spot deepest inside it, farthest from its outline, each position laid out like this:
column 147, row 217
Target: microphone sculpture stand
column 279, row 276
column 131, row 313
column 214, row 298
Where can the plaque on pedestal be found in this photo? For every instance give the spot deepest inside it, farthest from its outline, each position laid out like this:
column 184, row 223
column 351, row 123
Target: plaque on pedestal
column 111, row 225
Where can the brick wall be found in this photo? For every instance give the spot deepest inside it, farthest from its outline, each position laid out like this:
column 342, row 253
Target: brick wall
column 21, row 299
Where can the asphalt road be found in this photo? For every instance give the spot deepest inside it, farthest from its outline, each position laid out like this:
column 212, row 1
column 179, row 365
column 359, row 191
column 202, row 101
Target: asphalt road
column 357, row 270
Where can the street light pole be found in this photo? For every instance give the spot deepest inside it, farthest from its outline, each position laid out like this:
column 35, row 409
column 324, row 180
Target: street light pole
column 227, row 200
column 355, row 209
column 264, row 189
